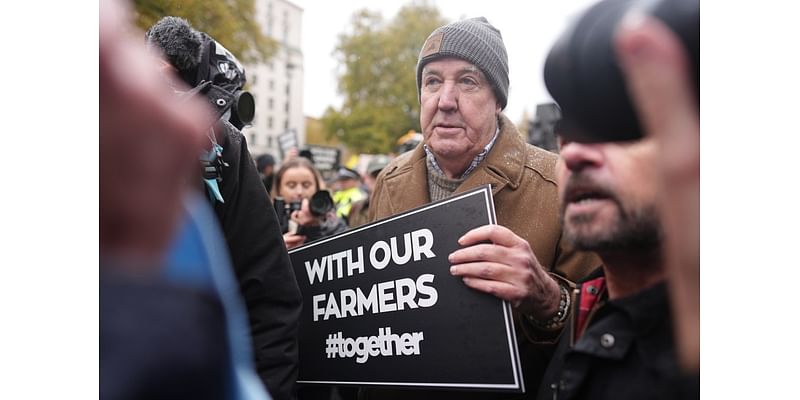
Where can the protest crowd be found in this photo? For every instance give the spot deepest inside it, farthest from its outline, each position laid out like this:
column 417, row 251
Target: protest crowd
column 593, row 249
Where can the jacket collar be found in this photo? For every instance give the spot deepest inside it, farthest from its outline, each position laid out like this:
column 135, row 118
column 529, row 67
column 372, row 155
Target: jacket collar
column 407, row 182
column 505, row 163
column 628, row 319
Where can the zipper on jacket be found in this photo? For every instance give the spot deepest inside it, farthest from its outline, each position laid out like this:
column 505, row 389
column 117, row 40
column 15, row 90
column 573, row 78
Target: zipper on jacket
column 576, row 309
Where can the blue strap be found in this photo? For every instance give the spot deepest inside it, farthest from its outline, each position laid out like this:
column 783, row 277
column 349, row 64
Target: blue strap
column 213, row 190
column 212, row 184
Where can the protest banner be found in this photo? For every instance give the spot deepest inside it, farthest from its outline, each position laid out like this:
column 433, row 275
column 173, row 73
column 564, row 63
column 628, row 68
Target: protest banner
column 325, row 158
column 286, row 141
column 380, row 306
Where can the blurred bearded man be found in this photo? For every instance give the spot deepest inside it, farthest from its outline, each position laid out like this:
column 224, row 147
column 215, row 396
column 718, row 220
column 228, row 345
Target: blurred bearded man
column 619, row 342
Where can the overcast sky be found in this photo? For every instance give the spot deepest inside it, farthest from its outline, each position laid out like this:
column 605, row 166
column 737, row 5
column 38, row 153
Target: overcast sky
column 528, row 29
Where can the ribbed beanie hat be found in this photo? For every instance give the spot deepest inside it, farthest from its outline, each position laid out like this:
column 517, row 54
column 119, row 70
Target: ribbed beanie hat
column 474, row 40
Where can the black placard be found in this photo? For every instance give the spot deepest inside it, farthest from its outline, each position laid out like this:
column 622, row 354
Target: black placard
column 430, row 330
column 325, row 158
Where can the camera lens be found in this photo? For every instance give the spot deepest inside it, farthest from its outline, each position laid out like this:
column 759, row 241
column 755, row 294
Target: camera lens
column 321, row 203
column 583, row 75
column 244, row 108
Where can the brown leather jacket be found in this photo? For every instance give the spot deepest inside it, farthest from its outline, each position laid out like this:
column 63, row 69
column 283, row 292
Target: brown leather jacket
column 526, row 201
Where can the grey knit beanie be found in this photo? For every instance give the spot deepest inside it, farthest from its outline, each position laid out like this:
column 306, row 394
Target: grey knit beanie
column 474, row 40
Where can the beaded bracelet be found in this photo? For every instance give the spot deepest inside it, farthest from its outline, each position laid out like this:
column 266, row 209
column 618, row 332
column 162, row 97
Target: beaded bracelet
column 563, row 310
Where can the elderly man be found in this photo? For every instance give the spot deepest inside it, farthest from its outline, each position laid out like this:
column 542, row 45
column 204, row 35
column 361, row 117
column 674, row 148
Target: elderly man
column 462, row 78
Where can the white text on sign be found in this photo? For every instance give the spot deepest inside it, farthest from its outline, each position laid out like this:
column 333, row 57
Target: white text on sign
column 386, row 344
column 416, row 244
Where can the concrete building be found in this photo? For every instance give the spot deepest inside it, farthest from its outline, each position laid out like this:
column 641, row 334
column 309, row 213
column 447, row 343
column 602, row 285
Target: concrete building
column 277, row 86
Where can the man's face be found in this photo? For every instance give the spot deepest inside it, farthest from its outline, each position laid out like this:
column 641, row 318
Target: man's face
column 344, row 184
column 458, row 110
column 608, row 195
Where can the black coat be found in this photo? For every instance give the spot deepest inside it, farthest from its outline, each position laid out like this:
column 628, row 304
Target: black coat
column 626, row 351
column 159, row 340
column 262, row 266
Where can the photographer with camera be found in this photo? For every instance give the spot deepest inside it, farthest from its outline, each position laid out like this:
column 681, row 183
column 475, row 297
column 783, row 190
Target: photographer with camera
column 305, row 210
column 266, row 279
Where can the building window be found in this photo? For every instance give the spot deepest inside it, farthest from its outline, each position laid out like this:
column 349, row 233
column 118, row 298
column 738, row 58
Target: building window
column 270, row 103
column 253, row 138
column 286, row 107
column 271, row 84
column 269, row 122
column 286, row 124
column 287, row 88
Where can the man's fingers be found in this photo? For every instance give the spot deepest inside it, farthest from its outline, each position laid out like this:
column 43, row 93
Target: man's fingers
column 496, row 234
column 657, row 75
column 503, row 290
column 483, row 270
column 478, row 252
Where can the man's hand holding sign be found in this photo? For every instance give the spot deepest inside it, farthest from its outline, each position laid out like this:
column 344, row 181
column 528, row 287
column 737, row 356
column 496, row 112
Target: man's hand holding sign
column 500, row 263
